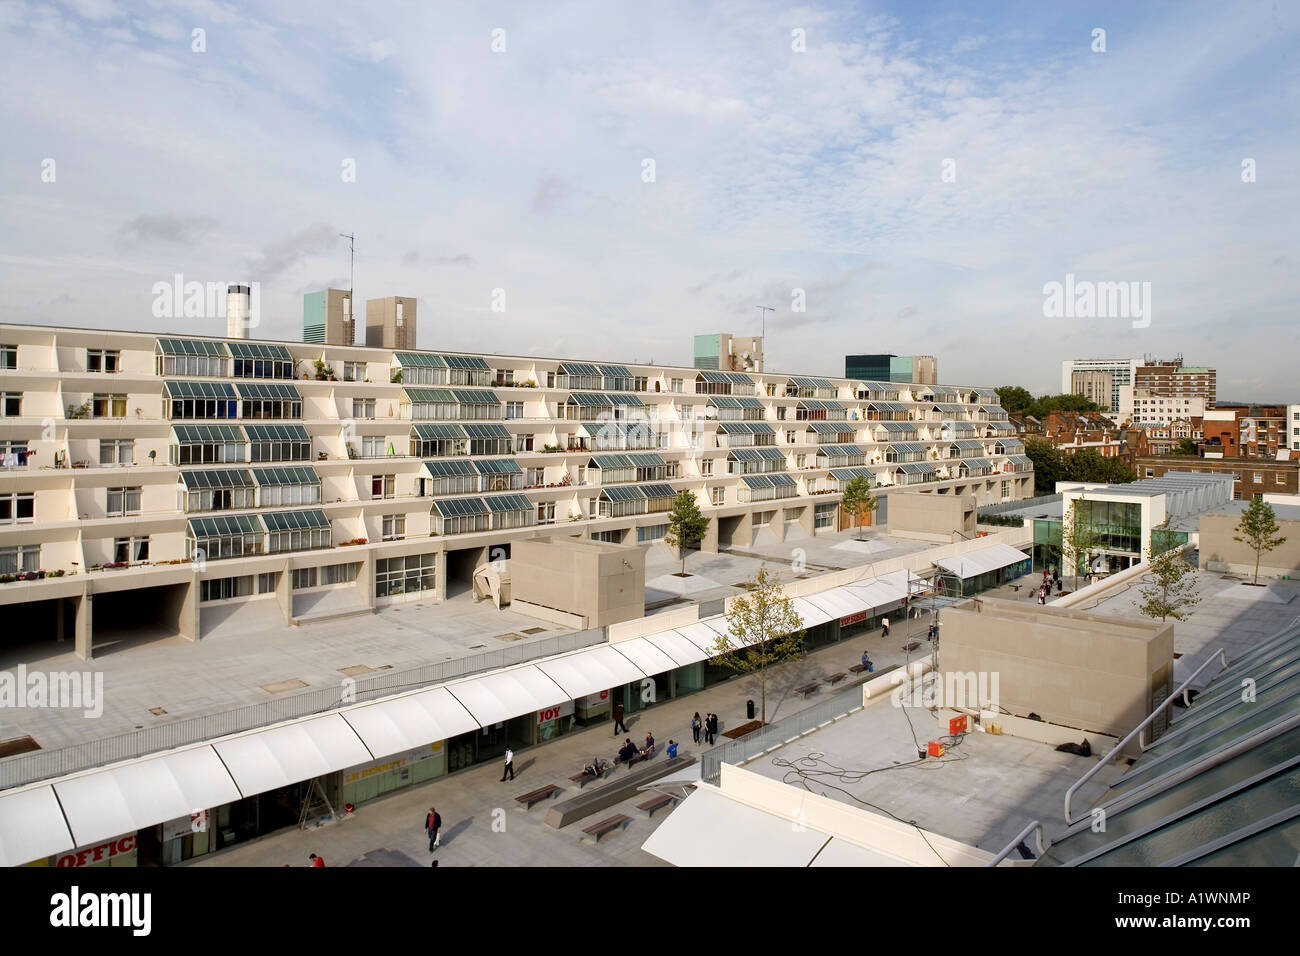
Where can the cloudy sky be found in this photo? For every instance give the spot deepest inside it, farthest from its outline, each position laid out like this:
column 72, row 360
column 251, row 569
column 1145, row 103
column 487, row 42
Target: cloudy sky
column 631, row 174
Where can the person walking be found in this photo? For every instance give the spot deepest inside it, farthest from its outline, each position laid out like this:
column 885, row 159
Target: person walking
column 884, row 627
column 432, row 824
column 696, row 724
column 619, row 726
column 510, row 765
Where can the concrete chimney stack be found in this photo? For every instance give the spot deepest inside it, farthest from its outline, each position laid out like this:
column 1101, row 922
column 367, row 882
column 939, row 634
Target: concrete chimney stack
column 238, row 307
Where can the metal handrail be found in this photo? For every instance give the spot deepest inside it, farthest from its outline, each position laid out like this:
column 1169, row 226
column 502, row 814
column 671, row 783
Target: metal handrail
column 1069, row 794
column 1034, row 827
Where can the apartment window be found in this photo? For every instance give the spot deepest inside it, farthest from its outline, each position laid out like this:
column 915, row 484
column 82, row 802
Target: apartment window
column 550, row 380
column 654, row 532
column 1259, row 477
column 505, row 377
column 514, row 409
column 13, row 453
column 706, row 466
column 674, row 386
column 800, row 460
column 8, row 356
column 372, row 446
column 823, row 516
column 719, row 496
column 609, row 537
column 130, row 549
column 523, row 443
column 408, row 575
column 11, row 404
column 123, row 501
column 812, row 485
column 394, row 527
column 688, row 413
column 546, row 512
column 267, row 582
column 101, row 360
column 302, row 578
column 535, row 477
column 1279, row 478
column 354, row 371
column 789, row 437
column 298, row 493
column 17, row 506
column 363, row 408
column 1006, row 489
column 221, row 589
column 383, row 486
column 116, row 451
column 109, row 406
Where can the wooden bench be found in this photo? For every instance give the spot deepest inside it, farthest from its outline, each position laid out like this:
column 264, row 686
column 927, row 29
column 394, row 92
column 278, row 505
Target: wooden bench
column 835, row 678
column 538, row 795
column 910, row 646
column 807, row 689
column 582, row 779
column 639, row 756
column 655, row 804
column 858, row 668
column 598, row 830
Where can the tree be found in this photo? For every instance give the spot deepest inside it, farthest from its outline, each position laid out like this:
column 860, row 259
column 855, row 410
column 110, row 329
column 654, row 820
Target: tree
column 858, row 501
column 1049, row 464
column 686, row 525
column 1169, row 593
column 764, row 630
column 1186, row 447
column 1044, row 405
column 1259, row 530
column 1079, row 537
column 1014, row 398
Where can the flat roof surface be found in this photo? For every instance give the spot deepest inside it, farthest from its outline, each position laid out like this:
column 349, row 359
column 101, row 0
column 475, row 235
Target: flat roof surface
column 981, row 792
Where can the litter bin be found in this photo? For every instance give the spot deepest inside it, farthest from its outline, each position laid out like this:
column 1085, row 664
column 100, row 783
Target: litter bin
column 749, row 709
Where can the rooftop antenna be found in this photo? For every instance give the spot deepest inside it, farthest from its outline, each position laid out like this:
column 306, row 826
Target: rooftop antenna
column 352, row 267
column 765, row 309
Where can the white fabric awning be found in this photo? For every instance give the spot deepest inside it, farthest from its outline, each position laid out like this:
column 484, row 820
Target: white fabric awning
column 32, row 827
column 876, row 593
column 590, row 671
column 107, row 803
column 974, row 563
column 701, row 635
column 678, row 647
column 267, row 759
column 812, row 614
column 842, row 853
column 707, row 827
column 497, row 697
column 646, row 656
column 414, row 720
column 838, row 602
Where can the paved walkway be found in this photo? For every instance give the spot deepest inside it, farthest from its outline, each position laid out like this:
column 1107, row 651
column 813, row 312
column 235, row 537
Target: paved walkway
column 482, row 824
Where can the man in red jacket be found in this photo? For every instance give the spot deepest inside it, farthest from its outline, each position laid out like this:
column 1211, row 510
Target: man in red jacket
column 317, row 860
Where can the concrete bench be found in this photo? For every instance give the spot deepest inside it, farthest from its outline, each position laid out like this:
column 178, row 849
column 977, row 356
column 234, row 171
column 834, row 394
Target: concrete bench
column 910, row 646
column 582, row 779
column 623, row 787
column 655, row 804
column 807, row 689
column 537, row 796
column 598, row 830
column 835, row 678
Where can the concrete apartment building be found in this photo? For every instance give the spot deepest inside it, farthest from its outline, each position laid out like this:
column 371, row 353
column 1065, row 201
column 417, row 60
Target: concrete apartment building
column 327, row 317
column 887, row 367
column 1108, row 382
column 390, row 323
column 722, row 352
column 162, row 477
column 1173, row 379
column 1120, row 385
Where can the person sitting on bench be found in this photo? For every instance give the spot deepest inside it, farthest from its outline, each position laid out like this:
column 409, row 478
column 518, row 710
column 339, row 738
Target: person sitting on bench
column 648, row 750
column 866, row 663
column 628, row 751
column 595, row 768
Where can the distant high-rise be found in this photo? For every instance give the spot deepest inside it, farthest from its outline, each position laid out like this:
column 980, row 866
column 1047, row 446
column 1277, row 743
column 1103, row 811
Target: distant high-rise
column 390, row 323
column 723, row 353
column 887, row 367
column 327, row 317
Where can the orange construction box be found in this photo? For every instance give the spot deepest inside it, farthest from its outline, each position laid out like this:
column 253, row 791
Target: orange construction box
column 957, row 725
column 936, row 749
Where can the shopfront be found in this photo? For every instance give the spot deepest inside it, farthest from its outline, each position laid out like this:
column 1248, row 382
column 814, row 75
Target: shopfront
column 119, row 851
column 555, row 721
column 368, row 781
column 490, row 742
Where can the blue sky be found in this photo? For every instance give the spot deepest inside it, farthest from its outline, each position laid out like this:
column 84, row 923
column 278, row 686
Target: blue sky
column 775, row 170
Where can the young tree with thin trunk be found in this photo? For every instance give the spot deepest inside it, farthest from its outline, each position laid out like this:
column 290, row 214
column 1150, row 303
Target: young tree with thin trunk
column 1169, row 593
column 1079, row 537
column 1259, row 531
column 687, row 525
column 764, row 630
column 858, row 501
